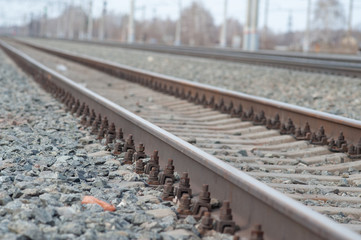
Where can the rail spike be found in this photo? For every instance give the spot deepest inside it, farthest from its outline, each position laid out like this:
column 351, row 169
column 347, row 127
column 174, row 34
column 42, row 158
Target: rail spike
column 219, row 106
column 288, row 129
column 260, row 119
column 340, row 145
column 237, row 112
column 354, row 152
column 227, row 109
column 304, row 134
column 248, row 116
column 319, row 138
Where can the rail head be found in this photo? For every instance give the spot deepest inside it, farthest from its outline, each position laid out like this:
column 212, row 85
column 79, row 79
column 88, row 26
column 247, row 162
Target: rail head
column 252, row 201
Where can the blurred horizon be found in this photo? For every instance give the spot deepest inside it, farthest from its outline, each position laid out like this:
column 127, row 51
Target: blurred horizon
column 155, row 21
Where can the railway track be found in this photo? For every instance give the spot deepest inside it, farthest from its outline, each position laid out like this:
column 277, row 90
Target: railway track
column 324, row 63
column 275, row 159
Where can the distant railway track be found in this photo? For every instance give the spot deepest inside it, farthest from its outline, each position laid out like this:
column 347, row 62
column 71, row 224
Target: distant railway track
column 323, row 63
column 251, row 201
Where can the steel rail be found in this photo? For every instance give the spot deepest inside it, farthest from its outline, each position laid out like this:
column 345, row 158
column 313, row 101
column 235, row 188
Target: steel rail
column 197, row 92
column 317, row 63
column 333, row 66
column 155, row 47
column 251, row 201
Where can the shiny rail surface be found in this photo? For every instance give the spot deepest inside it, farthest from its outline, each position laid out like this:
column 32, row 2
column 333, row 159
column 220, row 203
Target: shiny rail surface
column 331, row 64
column 251, row 201
column 245, row 106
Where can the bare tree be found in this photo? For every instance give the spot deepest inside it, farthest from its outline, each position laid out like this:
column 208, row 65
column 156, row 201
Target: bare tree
column 234, row 30
column 328, row 17
column 198, row 26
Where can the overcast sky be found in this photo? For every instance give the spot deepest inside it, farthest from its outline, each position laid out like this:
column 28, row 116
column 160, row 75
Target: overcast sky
column 19, row 11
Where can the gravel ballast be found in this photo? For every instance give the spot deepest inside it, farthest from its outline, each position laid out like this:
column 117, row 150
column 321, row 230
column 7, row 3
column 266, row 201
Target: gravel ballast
column 328, row 93
column 48, row 163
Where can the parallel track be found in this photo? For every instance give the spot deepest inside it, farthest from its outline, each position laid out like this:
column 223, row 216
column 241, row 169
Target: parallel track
column 331, row 64
column 238, row 104
column 225, row 181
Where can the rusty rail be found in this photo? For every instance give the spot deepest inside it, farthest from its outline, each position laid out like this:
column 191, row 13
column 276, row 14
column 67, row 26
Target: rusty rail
column 252, row 202
column 246, row 106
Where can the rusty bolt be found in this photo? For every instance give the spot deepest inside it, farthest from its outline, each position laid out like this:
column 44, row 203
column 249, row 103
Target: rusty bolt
column 319, row 138
column 304, row 134
column 225, row 224
column 153, row 162
column 139, row 166
column 275, row 123
column 168, row 191
column 226, row 212
column 153, row 176
column 105, row 124
column 96, row 125
column 103, row 128
column 204, row 100
column 118, row 147
column 184, row 206
column 248, row 116
column 140, row 154
column 257, row 233
column 354, row 152
column 219, row 106
column 203, row 203
column 80, row 110
column 184, row 186
column 119, row 134
column 210, row 103
column 228, row 109
column 206, row 223
column 65, row 97
column 237, row 112
column 260, row 119
column 167, row 173
column 129, row 144
column 69, row 104
column 91, row 118
column 340, row 145
column 289, row 128
column 110, row 134
column 83, row 120
column 101, row 134
column 75, row 107
column 128, row 157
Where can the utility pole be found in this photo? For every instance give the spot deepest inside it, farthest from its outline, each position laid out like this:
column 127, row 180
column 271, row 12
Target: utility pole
column 306, row 41
column 58, row 22
column 71, row 20
column 144, row 8
column 44, row 22
column 250, row 36
column 90, row 21
column 131, row 23
column 349, row 29
column 290, row 20
column 265, row 28
column 31, row 25
column 223, row 37
column 102, row 21
column 178, row 30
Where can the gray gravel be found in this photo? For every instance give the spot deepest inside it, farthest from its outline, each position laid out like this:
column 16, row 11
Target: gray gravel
column 333, row 94
column 48, row 163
